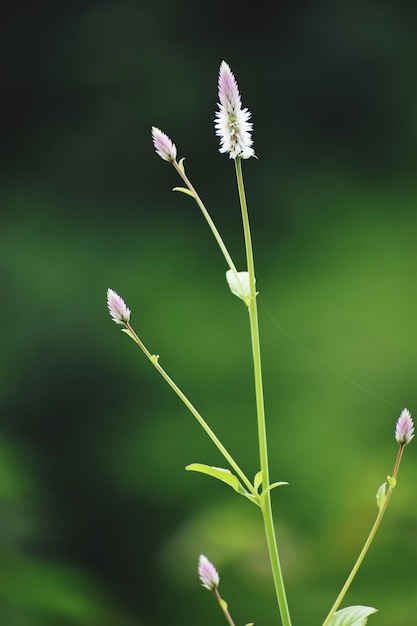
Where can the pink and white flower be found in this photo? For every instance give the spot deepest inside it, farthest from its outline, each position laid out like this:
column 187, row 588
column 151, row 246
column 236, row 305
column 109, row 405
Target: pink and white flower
column 208, row 574
column 404, row 429
column 232, row 121
column 164, row 147
column 118, row 310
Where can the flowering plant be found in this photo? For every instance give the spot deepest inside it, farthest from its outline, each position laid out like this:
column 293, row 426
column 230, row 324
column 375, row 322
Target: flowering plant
column 233, row 127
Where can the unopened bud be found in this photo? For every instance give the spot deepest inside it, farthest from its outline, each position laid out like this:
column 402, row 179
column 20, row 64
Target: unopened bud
column 404, row 429
column 208, row 574
column 118, row 310
column 163, row 145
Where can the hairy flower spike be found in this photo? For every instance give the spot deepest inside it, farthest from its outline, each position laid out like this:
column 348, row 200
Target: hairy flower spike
column 232, row 122
column 404, row 429
column 164, row 147
column 208, row 574
column 118, row 310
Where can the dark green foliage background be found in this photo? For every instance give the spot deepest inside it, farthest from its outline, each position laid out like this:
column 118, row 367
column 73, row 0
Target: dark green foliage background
column 99, row 523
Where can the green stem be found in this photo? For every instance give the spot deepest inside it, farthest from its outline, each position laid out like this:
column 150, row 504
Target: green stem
column 260, row 408
column 154, row 360
column 367, row 543
column 209, row 221
column 359, row 560
column 223, row 606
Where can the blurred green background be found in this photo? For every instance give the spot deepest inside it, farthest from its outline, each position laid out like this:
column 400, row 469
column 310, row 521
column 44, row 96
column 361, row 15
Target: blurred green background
column 99, row 522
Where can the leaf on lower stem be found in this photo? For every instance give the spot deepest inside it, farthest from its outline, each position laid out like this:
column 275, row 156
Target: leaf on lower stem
column 381, row 495
column 258, row 480
column 125, row 330
column 224, row 475
column 184, row 190
column 352, row 616
column 265, row 491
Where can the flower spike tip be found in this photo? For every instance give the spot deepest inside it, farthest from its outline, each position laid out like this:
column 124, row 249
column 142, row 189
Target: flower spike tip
column 232, row 121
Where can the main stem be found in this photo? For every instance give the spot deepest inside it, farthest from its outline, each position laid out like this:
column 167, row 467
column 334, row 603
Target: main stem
column 260, row 408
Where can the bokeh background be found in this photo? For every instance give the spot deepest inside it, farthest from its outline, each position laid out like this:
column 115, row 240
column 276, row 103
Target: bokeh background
column 99, row 522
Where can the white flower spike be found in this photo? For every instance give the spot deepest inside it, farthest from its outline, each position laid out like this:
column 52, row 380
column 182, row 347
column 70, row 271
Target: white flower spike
column 232, row 122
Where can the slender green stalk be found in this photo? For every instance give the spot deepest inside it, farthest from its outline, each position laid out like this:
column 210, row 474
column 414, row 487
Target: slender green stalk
column 368, row 541
column 154, row 360
column 359, row 560
column 210, row 222
column 260, row 408
column 223, row 606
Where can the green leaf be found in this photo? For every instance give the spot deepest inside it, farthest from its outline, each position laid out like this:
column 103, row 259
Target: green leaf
column 218, row 472
column 184, row 190
column 258, row 480
column 391, row 481
column 224, row 476
column 352, row 616
column 125, row 330
column 381, row 495
column 181, row 165
column 279, row 484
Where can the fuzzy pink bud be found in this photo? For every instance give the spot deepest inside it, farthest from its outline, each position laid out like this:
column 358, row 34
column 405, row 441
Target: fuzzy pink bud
column 208, row 574
column 118, row 310
column 164, row 147
column 404, row 429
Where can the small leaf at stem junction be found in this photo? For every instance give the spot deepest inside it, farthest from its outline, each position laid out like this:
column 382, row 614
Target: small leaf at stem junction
column 225, row 476
column 258, row 480
column 184, row 190
column 352, row 616
column 381, row 495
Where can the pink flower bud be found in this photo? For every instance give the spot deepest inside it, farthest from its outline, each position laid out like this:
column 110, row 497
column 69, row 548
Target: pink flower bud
column 117, row 308
column 207, row 573
column 164, row 147
column 404, row 429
